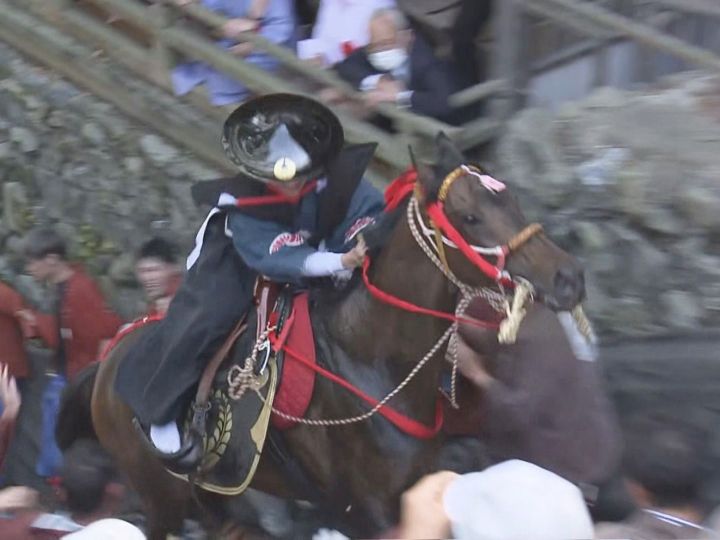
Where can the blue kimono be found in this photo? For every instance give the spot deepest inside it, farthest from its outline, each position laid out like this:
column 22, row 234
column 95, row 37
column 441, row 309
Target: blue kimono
column 277, row 25
column 232, row 248
column 282, row 254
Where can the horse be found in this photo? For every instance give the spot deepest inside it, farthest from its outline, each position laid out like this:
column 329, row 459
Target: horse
column 385, row 332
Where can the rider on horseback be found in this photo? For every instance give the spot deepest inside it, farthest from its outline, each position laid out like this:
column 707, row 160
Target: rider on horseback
column 290, row 214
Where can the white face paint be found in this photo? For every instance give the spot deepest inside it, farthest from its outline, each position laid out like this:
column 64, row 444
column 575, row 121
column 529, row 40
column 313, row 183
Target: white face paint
column 388, row 60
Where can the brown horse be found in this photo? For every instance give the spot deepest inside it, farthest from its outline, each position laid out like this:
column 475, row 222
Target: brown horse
column 359, row 470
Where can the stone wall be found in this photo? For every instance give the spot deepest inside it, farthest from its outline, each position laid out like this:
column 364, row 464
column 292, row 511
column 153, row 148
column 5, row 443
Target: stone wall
column 630, row 182
column 70, row 160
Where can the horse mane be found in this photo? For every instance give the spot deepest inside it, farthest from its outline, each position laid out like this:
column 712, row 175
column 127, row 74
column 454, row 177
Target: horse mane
column 377, row 233
column 376, row 236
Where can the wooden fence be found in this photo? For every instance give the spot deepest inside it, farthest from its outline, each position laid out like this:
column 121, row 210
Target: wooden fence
column 150, row 38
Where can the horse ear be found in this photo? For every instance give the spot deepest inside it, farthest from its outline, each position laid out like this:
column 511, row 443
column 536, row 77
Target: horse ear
column 426, row 175
column 449, row 157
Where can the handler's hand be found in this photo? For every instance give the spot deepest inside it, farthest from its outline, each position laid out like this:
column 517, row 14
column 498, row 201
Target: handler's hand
column 471, row 365
column 355, row 257
column 422, row 514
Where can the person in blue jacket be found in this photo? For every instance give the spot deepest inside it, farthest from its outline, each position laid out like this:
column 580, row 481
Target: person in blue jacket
column 291, row 214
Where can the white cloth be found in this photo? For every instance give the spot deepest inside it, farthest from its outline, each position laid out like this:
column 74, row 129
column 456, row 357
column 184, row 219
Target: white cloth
column 166, row 437
column 107, row 529
column 343, row 21
column 322, row 263
column 516, row 500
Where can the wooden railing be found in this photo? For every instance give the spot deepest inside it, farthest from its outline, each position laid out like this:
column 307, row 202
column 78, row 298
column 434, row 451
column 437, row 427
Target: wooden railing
column 153, row 37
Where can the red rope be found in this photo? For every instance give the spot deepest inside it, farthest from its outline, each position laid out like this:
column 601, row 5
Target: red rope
column 402, row 422
column 277, row 197
column 126, row 330
column 392, row 300
column 437, row 214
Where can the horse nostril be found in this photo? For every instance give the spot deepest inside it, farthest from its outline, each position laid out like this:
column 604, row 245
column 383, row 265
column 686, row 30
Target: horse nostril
column 569, row 286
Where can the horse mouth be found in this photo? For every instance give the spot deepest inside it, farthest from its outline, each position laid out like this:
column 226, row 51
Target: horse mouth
column 552, row 302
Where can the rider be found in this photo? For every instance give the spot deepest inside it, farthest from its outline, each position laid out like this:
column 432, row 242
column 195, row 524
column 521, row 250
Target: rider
column 291, row 213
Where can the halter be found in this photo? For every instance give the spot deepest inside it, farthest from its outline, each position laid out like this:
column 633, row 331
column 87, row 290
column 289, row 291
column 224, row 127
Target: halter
column 442, row 233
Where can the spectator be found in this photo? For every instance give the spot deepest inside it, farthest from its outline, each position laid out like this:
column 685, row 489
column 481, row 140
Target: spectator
column 340, row 28
column 272, row 19
column 399, row 67
column 157, row 271
column 76, row 330
column 508, row 501
column 664, row 469
column 90, row 492
column 9, row 405
column 12, row 352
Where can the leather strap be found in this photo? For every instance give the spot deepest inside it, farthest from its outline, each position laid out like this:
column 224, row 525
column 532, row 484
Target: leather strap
column 203, row 391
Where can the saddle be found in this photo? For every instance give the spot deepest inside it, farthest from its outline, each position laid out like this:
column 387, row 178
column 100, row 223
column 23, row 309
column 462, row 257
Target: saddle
column 233, row 406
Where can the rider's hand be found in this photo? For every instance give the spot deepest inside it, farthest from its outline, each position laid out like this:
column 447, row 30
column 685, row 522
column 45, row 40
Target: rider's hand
column 355, row 257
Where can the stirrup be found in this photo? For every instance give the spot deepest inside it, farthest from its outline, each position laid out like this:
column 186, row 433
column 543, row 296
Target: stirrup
column 185, row 460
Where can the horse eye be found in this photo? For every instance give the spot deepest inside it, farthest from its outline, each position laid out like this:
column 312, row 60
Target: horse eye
column 471, row 219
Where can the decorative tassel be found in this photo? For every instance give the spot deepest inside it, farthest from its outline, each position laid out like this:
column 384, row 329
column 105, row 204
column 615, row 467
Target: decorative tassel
column 516, row 312
column 583, row 324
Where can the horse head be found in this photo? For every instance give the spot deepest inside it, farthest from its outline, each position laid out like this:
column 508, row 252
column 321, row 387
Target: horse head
column 482, row 213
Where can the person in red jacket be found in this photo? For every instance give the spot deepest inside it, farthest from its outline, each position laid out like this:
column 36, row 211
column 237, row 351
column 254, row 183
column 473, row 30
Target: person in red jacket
column 76, row 329
column 12, row 352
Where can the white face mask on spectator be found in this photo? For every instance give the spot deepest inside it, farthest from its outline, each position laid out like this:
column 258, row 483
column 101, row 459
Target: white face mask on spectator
column 388, row 60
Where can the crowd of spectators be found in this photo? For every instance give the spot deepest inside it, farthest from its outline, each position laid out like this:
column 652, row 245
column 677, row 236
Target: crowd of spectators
column 370, row 44
column 76, row 329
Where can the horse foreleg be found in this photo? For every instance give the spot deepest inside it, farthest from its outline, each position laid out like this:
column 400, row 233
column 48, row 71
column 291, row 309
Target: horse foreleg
column 165, row 498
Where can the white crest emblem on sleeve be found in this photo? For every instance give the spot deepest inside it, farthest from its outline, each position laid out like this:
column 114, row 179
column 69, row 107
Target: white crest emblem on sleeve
column 358, row 226
column 286, row 239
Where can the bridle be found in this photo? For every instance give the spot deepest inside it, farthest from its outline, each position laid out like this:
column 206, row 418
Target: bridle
column 442, row 233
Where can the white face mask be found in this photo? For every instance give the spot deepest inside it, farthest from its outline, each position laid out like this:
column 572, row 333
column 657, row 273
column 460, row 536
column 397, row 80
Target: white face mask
column 388, row 60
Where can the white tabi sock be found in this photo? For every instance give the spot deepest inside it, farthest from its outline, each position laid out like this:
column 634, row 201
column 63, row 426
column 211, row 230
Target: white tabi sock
column 166, row 438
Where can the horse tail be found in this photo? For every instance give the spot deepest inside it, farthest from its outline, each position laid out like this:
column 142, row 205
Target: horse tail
column 74, row 417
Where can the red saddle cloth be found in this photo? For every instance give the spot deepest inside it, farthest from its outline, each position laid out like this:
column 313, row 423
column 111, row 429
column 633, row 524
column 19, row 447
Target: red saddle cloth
column 298, row 380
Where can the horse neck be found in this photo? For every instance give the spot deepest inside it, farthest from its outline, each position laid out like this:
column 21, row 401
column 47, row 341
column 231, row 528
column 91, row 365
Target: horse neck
column 391, row 340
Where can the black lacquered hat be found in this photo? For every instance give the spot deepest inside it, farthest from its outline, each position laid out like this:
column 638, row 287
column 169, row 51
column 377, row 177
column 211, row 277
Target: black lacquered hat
column 282, row 138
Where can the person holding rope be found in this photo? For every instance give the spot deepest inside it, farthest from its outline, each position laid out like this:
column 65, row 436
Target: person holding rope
column 291, row 213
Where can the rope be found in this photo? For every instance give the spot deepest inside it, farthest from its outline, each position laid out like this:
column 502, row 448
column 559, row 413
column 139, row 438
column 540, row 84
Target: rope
column 583, row 324
column 511, row 324
column 240, row 379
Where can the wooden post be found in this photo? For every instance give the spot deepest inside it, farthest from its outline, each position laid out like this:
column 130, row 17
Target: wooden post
column 642, row 33
column 163, row 56
column 510, row 40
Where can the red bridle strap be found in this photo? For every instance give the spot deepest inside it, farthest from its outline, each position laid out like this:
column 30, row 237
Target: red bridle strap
column 392, row 300
column 275, row 198
column 437, row 214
